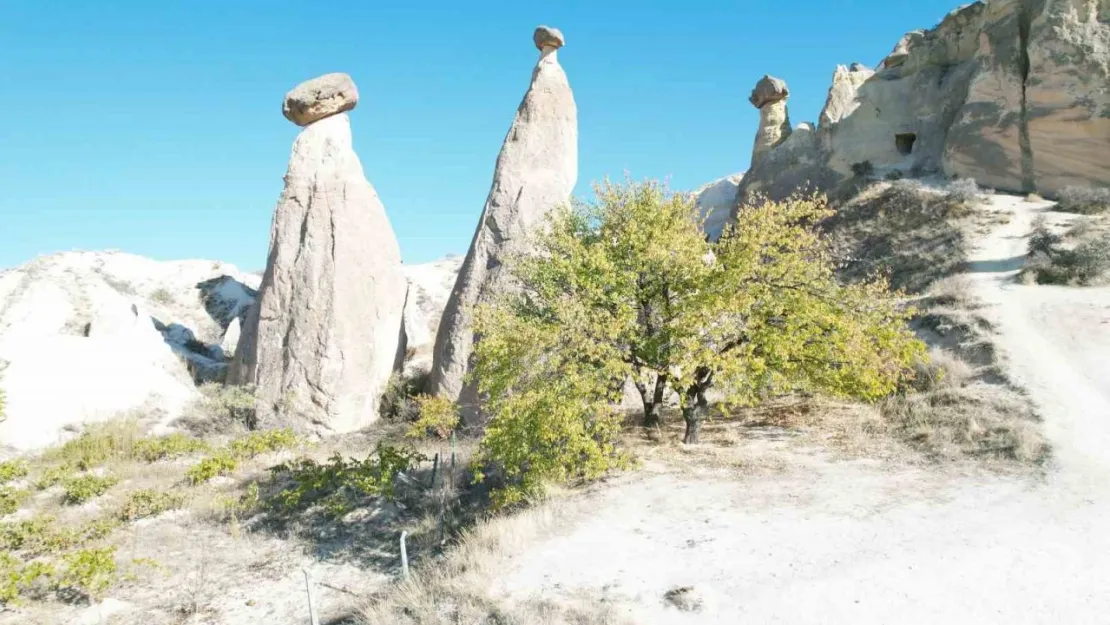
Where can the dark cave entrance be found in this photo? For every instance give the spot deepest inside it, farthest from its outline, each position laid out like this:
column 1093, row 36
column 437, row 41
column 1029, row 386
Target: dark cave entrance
column 903, row 141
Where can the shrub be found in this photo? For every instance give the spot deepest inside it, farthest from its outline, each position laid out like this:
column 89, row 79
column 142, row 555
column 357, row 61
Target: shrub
column 162, row 296
column 144, row 503
column 863, row 169
column 11, row 499
column 438, row 417
column 208, row 468
column 54, row 475
column 171, row 446
column 397, row 399
column 82, row 488
column 894, row 174
column 97, row 444
column 12, row 470
column 265, row 441
column 17, row 577
column 1083, row 200
column 90, row 571
column 1051, row 263
column 963, row 192
column 229, row 403
column 339, row 484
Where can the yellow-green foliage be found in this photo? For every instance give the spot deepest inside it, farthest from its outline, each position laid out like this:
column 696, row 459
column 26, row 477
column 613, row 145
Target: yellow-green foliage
column 170, row 446
column 90, row 571
column 339, row 484
column 44, row 535
column 220, row 463
column 54, row 475
column 17, row 577
column 82, row 488
column 11, row 499
column 144, row 503
column 97, row 444
column 628, row 287
column 436, row 416
column 12, row 470
column 261, row 442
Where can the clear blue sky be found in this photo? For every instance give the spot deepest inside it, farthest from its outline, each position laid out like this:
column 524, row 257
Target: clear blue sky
column 155, row 127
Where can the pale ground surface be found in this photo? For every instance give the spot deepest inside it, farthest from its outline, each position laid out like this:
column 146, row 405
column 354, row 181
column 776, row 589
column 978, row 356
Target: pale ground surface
column 863, row 542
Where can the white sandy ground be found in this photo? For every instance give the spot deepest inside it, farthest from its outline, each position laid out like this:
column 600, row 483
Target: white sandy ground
column 866, row 543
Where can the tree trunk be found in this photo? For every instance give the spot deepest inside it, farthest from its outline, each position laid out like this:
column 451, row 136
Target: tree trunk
column 653, row 404
column 695, row 408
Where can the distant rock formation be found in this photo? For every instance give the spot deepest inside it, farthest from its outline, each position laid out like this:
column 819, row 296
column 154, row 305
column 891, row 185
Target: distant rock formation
column 1012, row 93
column 714, row 204
column 325, row 334
column 89, row 336
column 535, row 172
column 769, row 96
column 430, row 287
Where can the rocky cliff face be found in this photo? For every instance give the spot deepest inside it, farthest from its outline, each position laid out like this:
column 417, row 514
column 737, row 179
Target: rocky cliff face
column 1012, row 93
column 535, row 172
column 326, row 332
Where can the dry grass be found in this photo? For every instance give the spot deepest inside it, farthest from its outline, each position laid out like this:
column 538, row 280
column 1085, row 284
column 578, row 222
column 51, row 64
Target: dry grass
column 459, row 588
column 905, row 230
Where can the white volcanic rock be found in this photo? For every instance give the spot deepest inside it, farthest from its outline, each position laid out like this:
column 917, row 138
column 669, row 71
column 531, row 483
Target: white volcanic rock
column 324, row 336
column 714, row 203
column 535, row 172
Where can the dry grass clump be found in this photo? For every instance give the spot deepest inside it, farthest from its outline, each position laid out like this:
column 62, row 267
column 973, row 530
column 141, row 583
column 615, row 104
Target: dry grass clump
column 1079, row 257
column 904, row 229
column 1083, row 200
column 459, row 587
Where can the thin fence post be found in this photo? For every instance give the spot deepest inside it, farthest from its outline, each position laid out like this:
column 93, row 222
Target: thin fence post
column 311, row 604
column 404, row 556
column 435, row 468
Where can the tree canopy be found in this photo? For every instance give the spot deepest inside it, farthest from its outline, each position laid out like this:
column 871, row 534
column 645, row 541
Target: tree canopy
column 626, row 286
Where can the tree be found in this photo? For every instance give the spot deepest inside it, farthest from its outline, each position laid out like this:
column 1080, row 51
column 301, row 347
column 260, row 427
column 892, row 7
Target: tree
column 626, row 286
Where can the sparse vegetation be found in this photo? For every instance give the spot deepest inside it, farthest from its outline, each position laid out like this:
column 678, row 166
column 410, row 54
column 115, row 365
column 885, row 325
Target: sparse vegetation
column 11, row 470
column 262, row 442
column 902, row 230
column 162, row 296
column 863, row 169
column 222, row 407
column 1083, row 200
column 961, row 194
column 144, row 503
column 11, row 499
column 398, row 400
column 97, row 444
column 219, row 463
column 166, row 447
column 629, row 288
column 89, row 571
column 1053, row 260
column 82, row 488
column 436, row 417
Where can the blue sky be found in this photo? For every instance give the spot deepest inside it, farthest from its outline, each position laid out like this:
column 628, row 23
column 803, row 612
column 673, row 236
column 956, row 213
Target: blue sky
column 155, row 127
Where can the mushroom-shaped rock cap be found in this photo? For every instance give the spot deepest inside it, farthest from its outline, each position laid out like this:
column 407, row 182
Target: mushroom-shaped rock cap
column 318, row 98
column 768, row 90
column 547, row 37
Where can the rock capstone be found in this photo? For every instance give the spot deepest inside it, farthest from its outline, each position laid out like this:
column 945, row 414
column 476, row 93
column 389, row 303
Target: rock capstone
column 535, row 173
column 769, row 96
column 320, row 97
column 547, row 37
column 325, row 334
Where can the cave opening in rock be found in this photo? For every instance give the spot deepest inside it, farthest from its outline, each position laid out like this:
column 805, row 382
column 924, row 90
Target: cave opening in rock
column 904, row 142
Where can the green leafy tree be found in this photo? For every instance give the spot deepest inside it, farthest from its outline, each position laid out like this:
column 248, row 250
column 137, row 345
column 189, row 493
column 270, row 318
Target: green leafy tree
column 627, row 287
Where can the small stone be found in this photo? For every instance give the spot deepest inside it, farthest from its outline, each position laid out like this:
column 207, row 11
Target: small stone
column 769, row 90
column 318, row 98
column 684, row 598
column 547, row 37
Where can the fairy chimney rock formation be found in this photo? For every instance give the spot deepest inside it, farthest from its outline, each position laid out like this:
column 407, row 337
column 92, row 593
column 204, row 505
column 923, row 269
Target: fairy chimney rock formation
column 324, row 335
column 535, row 173
column 769, row 96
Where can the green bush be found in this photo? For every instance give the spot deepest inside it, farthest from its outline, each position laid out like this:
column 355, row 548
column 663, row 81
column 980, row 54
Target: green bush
column 11, row 499
column 54, row 475
column 437, row 416
column 97, row 444
column 79, row 489
column 12, row 470
column 170, row 446
column 90, row 571
column 339, row 484
column 17, row 577
column 220, row 463
column 262, row 442
column 140, row 504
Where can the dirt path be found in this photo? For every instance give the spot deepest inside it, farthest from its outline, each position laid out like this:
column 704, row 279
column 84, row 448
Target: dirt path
column 853, row 542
